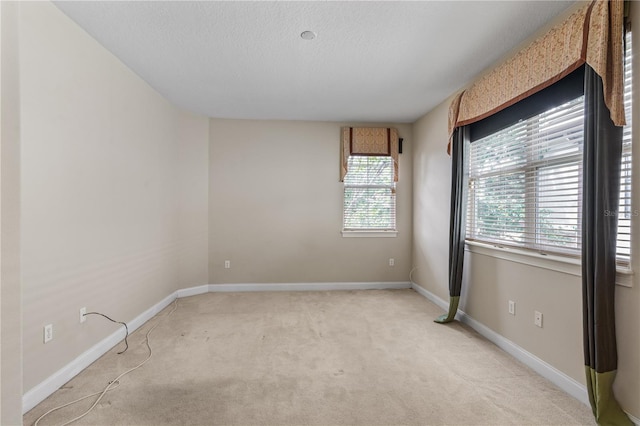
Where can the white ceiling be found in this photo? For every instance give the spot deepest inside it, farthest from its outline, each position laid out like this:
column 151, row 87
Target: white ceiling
column 371, row 61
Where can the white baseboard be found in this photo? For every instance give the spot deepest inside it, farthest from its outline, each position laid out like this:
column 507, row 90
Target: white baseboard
column 443, row 304
column 564, row 382
column 151, row 312
column 546, row 370
column 52, row 383
column 557, row 377
column 308, row 286
column 40, row 392
column 193, row 291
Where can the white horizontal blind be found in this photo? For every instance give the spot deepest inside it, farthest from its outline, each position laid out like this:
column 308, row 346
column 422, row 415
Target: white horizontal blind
column 525, row 182
column 369, row 194
column 625, row 210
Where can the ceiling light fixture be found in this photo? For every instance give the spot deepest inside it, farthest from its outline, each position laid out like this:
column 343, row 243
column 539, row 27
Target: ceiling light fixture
column 308, row 35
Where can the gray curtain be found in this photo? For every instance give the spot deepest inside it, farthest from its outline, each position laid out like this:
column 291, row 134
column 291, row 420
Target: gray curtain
column 601, row 174
column 457, row 224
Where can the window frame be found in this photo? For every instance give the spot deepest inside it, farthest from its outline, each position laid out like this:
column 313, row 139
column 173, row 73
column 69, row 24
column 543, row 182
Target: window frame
column 571, row 264
column 391, row 186
column 529, row 166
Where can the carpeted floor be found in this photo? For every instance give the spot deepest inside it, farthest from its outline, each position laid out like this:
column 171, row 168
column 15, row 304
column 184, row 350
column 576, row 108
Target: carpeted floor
column 313, row 358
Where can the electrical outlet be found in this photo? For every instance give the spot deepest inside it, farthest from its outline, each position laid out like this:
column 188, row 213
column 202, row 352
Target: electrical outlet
column 392, row 261
column 48, row 333
column 537, row 318
column 512, row 307
column 227, row 264
column 83, row 312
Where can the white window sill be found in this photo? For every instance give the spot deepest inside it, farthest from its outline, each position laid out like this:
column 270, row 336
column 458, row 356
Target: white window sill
column 567, row 265
column 369, row 234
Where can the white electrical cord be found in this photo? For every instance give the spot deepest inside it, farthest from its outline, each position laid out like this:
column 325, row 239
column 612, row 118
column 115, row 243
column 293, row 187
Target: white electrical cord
column 411, row 272
column 113, row 382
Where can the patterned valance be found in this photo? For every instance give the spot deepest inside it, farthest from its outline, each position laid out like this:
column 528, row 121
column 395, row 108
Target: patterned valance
column 593, row 34
column 381, row 141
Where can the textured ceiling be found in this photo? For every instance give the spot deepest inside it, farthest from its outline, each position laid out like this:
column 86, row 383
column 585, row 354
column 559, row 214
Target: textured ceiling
column 371, row 61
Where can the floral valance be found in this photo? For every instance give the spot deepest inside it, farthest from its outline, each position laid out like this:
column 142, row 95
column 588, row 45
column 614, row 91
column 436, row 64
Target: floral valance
column 593, row 34
column 382, row 141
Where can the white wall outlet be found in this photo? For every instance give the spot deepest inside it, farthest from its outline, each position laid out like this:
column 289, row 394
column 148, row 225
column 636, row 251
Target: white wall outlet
column 83, row 312
column 537, row 318
column 512, row 307
column 392, row 261
column 227, row 264
column 48, row 333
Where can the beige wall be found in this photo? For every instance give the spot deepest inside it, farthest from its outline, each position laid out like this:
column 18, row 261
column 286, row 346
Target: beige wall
column 193, row 200
column 10, row 303
column 431, row 198
column 276, row 207
column 125, row 199
column 114, row 190
column 490, row 282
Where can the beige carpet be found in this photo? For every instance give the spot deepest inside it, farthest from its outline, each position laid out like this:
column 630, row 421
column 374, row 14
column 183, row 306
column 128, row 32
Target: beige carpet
column 313, row 358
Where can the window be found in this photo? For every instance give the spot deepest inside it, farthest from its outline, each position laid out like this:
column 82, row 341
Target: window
column 369, row 194
column 525, row 181
column 625, row 211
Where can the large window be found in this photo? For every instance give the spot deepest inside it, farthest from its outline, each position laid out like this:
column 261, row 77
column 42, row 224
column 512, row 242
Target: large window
column 369, row 194
column 525, row 184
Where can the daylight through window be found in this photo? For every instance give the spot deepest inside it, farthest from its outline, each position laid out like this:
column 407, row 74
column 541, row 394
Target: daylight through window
column 369, row 194
column 525, row 182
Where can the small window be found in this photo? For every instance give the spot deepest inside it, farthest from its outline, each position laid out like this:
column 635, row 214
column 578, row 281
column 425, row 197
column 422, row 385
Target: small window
column 369, row 194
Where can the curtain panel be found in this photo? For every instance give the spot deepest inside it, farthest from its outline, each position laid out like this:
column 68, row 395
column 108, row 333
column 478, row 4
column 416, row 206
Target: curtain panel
column 382, row 141
column 592, row 34
column 458, row 221
column 601, row 174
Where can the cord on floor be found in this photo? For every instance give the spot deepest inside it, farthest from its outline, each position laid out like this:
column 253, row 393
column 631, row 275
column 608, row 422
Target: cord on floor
column 410, row 273
column 113, row 384
column 117, row 322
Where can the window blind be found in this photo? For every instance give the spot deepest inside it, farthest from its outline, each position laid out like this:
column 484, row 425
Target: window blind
column 625, row 211
column 369, row 194
column 525, row 184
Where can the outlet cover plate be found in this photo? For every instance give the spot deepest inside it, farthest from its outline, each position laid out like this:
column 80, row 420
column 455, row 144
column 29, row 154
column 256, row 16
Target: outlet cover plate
column 537, row 319
column 48, row 333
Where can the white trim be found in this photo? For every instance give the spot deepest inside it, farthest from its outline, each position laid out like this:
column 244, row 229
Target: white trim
column 41, row 391
column 151, row 312
column 442, row 304
column 369, row 234
column 567, row 265
column 193, row 291
column 624, row 277
column 546, row 370
column 309, row 286
column 48, row 386
column 557, row 377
